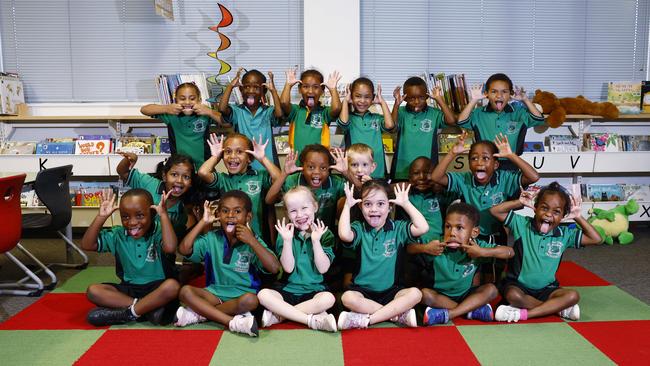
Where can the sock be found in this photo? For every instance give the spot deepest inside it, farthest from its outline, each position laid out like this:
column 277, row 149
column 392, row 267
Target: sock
column 132, row 308
column 523, row 314
column 309, row 318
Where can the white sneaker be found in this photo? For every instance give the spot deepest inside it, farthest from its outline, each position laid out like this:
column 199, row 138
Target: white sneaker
column 269, row 318
column 245, row 324
column 507, row 313
column 406, row 319
column 571, row 313
column 323, row 321
column 187, row 316
column 352, row 320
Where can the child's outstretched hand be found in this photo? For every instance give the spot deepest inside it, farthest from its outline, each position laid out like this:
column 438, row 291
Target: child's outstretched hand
column 520, row 93
column 259, row 149
column 348, row 94
column 290, row 166
column 131, row 157
column 208, row 216
column 270, row 84
column 527, row 197
column 476, row 92
column 285, row 230
column 401, row 194
column 397, row 95
column 576, row 208
column 332, row 80
column 459, row 146
column 161, row 207
column 318, row 228
column 215, row 144
column 350, row 201
column 341, row 160
column 291, row 76
column 436, row 93
column 202, row 109
column 174, row 109
column 235, row 82
column 503, row 145
column 107, row 207
column 471, row 249
column 244, row 234
column 379, row 99
column 434, row 247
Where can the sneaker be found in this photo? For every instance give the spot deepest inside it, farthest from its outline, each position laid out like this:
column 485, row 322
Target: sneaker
column 406, row 319
column 352, row 320
column 571, row 313
column 187, row 316
column 323, row 321
column 155, row 317
column 245, row 324
column 269, row 318
column 435, row 316
column 106, row 316
column 484, row 313
column 506, row 313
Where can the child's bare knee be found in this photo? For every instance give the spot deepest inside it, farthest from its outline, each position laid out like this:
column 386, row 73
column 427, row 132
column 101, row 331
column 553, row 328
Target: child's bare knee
column 91, row 293
column 512, row 295
column 247, row 302
column 414, row 294
column 185, row 293
column 170, row 288
column 573, row 297
column 326, row 299
column 491, row 291
column 349, row 299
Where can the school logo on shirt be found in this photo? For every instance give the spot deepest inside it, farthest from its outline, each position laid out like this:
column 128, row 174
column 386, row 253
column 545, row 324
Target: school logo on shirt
column 469, row 269
column 389, row 248
column 243, row 262
column 434, row 206
column 554, row 249
column 199, row 125
column 152, row 254
column 374, row 125
column 426, row 125
column 316, row 121
column 511, row 128
column 254, row 186
column 324, row 199
column 497, row 198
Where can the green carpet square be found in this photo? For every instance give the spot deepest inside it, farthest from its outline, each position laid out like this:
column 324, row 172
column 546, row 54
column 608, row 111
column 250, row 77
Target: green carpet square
column 542, row 343
column 602, row 303
column 88, row 276
column 280, row 347
column 147, row 325
column 45, row 347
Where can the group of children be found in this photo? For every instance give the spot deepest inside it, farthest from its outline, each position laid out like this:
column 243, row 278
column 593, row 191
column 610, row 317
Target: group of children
column 444, row 246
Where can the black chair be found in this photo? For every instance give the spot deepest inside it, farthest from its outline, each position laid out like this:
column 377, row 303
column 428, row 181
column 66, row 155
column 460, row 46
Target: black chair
column 52, row 187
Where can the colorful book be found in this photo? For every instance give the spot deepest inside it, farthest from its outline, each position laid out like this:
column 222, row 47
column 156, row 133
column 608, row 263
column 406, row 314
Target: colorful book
column 563, row 143
column 603, row 192
column 55, row 147
column 639, row 192
column 93, row 147
column 136, row 144
column 387, row 140
column 607, row 142
column 626, row 96
column 282, row 144
column 447, row 140
column 645, row 96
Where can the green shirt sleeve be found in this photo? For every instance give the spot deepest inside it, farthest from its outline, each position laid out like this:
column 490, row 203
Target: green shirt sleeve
column 107, row 239
column 136, row 179
column 256, row 260
column 357, row 229
column 200, row 247
column 327, row 242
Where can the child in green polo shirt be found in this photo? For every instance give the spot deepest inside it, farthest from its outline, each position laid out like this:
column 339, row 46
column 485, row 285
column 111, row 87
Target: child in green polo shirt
column 306, row 250
column 376, row 294
column 450, row 268
column 362, row 126
column 253, row 118
column 234, row 256
column 531, row 287
column 237, row 151
column 188, row 122
column 361, row 162
column 139, row 246
column 485, row 185
column 417, row 125
column 499, row 116
column 309, row 120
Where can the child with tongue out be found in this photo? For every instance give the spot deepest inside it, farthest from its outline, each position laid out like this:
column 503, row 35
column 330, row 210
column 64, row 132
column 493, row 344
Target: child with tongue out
column 531, row 287
column 309, row 120
column 500, row 117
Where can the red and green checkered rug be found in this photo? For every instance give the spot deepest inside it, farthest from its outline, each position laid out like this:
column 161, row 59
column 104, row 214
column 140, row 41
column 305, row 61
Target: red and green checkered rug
column 614, row 329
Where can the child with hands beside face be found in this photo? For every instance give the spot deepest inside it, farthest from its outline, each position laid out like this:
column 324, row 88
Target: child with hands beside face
column 139, row 246
column 306, row 250
column 234, row 258
column 531, row 287
column 376, row 294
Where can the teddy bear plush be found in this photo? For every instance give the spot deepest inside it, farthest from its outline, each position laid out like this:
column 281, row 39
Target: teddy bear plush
column 558, row 108
column 614, row 224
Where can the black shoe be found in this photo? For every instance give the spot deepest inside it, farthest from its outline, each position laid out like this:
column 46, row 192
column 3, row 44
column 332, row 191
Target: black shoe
column 156, row 317
column 106, row 316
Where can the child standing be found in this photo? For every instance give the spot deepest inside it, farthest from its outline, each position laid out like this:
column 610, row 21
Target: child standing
column 233, row 256
column 376, row 294
column 253, row 118
column 499, row 116
column 450, row 266
column 188, row 122
column 305, row 247
column 530, row 285
column 417, row 125
column 362, row 126
column 309, row 120
column 138, row 245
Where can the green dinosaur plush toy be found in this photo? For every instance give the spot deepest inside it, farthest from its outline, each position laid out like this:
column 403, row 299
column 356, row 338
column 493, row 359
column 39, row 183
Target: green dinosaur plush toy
column 613, row 224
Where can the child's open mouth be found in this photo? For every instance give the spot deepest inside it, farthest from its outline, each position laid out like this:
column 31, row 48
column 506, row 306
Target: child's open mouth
column 311, row 102
column 250, row 100
column 134, row 231
column 302, row 222
column 315, row 181
column 233, row 165
column 499, row 104
column 480, row 175
column 177, row 190
column 544, row 226
column 453, row 244
column 374, row 220
column 230, row 227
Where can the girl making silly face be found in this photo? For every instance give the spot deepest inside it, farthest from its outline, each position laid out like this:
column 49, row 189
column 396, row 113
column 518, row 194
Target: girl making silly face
column 178, row 173
column 301, row 208
column 551, row 206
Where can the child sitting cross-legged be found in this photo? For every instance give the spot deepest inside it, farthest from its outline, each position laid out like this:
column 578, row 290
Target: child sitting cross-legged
column 234, row 255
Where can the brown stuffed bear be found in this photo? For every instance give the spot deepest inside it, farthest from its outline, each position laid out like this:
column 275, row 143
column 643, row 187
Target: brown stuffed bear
column 557, row 109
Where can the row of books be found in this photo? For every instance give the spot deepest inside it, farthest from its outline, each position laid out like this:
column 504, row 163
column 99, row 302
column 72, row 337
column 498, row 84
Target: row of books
column 454, row 89
column 595, row 192
column 82, row 194
column 89, row 145
column 630, row 97
column 606, row 142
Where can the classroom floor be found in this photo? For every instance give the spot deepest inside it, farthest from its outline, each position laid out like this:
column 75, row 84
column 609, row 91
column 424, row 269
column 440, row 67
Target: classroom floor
column 615, row 326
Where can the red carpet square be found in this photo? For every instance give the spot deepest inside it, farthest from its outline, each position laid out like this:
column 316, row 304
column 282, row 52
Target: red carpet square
column 625, row 342
column 53, row 312
column 406, row 346
column 152, row 347
column 571, row 274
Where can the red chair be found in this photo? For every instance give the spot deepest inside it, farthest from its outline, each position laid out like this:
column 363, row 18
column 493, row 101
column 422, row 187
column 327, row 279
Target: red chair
column 10, row 234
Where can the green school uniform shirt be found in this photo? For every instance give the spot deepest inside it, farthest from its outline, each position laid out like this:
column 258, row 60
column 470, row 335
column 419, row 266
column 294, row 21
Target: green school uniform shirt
column 137, row 261
column 367, row 129
column 252, row 126
column 503, row 185
column 230, row 271
column 417, row 135
column 305, row 277
column 379, row 253
column 327, row 195
column 255, row 183
column 308, row 127
column 537, row 256
column 188, row 135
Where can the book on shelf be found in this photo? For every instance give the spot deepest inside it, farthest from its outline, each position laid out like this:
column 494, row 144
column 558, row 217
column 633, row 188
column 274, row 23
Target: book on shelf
column 93, row 147
column 18, row 148
column 337, row 141
column 55, row 147
column 645, row 96
column 282, row 144
column 387, row 141
column 91, row 193
column 11, row 93
column 454, row 89
column 447, row 140
column 162, row 145
column 595, row 192
column 635, row 143
column 563, row 143
column 534, row 146
column 625, row 95
column 639, row 192
column 142, row 144
column 606, row 142
column 29, row 199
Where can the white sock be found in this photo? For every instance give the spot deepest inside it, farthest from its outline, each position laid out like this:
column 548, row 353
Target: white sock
column 132, row 308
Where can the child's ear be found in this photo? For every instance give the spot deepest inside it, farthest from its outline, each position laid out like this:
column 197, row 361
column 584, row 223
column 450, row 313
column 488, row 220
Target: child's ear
column 249, row 217
column 374, row 166
column 496, row 163
column 475, row 231
column 153, row 213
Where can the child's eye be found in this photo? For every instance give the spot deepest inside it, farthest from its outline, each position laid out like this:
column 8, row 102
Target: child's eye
column 323, row 168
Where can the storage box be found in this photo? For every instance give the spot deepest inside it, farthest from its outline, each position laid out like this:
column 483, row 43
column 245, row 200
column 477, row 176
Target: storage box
column 11, row 93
